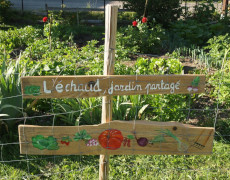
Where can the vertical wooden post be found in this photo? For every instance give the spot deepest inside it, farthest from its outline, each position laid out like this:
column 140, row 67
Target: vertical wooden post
column 225, row 8
column 109, row 58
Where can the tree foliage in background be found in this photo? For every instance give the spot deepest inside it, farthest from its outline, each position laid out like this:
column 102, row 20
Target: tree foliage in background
column 4, row 9
column 164, row 12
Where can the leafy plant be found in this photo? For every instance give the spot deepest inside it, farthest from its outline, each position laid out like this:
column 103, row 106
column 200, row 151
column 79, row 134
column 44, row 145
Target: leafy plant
column 11, row 102
column 158, row 66
column 205, row 12
column 221, row 84
column 4, row 9
column 142, row 38
column 164, row 12
column 191, row 32
column 219, row 50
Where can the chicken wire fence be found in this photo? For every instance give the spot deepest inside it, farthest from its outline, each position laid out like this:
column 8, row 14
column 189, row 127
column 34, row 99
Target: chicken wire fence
column 14, row 165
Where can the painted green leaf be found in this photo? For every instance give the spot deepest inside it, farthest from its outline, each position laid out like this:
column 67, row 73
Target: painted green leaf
column 158, row 139
column 130, row 137
column 42, row 143
column 82, row 135
column 32, row 90
column 195, row 81
column 66, row 139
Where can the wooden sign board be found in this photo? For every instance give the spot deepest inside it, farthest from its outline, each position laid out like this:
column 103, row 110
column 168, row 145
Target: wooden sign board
column 117, row 137
column 94, row 86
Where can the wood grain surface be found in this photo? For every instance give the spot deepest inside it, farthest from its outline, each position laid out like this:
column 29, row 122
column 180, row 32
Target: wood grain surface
column 111, row 85
column 156, row 138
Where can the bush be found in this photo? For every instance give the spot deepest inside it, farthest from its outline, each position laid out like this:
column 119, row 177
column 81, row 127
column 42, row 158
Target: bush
column 142, row 38
column 4, row 9
column 219, row 50
column 164, row 12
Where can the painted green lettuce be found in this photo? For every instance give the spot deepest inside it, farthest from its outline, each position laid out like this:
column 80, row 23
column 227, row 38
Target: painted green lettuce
column 82, row 135
column 32, row 90
column 41, row 142
column 195, row 82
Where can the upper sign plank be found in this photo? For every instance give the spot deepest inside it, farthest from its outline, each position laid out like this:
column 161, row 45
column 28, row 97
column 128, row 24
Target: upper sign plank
column 94, row 86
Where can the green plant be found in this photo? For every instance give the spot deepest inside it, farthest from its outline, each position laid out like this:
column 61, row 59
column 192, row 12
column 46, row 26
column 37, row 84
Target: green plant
column 11, row 100
column 220, row 81
column 4, row 9
column 191, row 32
column 205, row 12
column 18, row 38
column 164, row 12
column 219, row 50
column 142, row 38
column 158, row 66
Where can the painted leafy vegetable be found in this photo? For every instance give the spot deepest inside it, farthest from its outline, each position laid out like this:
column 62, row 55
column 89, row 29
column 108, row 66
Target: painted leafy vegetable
column 181, row 145
column 82, row 135
column 157, row 139
column 195, row 81
column 32, row 90
column 42, row 143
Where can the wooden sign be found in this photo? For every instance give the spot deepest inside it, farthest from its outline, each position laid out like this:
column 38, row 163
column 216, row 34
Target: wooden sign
column 117, row 137
column 94, row 86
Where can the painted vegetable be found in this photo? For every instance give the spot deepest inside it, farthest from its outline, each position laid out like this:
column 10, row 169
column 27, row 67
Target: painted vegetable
column 127, row 141
column 181, row 145
column 82, row 135
column 66, row 140
column 158, row 139
column 42, row 143
column 32, row 90
column 194, row 84
column 92, row 142
column 111, row 139
column 142, row 141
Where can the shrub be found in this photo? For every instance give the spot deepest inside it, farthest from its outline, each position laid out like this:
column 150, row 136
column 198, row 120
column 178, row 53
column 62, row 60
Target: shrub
column 4, row 9
column 219, row 50
column 205, row 12
column 142, row 38
column 164, row 12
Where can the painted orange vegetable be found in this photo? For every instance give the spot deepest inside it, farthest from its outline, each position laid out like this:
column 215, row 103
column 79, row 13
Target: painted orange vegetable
column 111, row 139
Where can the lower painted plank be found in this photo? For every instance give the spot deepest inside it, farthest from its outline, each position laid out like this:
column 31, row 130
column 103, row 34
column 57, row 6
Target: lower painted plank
column 116, row 137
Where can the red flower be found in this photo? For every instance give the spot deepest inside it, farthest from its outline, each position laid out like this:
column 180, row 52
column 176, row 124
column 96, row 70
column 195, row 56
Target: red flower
column 134, row 23
column 45, row 19
column 144, row 19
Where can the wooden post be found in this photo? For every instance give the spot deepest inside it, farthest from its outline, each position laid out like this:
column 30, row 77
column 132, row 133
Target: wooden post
column 225, row 8
column 109, row 58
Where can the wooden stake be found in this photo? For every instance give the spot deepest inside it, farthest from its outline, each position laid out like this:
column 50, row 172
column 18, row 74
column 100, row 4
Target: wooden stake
column 225, row 8
column 109, row 58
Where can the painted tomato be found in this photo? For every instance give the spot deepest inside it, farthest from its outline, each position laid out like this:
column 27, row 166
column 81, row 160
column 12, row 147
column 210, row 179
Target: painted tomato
column 111, row 139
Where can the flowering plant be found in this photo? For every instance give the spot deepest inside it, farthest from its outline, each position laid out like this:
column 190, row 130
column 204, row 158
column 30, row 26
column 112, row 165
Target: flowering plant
column 141, row 37
column 144, row 20
column 45, row 19
column 134, row 23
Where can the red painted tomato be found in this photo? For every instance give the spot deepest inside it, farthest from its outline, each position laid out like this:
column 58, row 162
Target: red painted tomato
column 111, row 139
